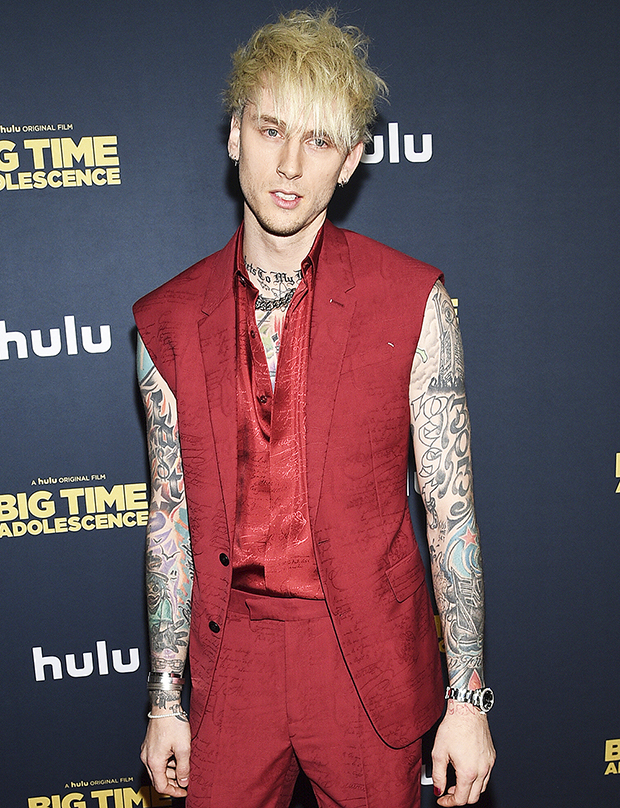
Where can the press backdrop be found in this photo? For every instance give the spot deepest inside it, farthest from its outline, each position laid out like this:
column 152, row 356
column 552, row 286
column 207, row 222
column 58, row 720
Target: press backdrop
column 496, row 159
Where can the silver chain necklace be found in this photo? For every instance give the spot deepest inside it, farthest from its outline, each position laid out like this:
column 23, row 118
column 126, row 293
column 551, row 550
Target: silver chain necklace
column 270, row 303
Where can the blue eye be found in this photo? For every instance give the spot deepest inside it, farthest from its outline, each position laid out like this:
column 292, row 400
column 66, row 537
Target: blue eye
column 320, row 142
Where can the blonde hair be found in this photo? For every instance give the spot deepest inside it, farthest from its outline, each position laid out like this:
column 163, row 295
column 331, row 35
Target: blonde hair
column 315, row 71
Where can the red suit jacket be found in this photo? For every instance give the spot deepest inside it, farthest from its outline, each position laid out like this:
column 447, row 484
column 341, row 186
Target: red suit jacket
column 367, row 315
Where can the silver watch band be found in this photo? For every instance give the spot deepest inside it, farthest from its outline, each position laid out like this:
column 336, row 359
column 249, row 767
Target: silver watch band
column 482, row 698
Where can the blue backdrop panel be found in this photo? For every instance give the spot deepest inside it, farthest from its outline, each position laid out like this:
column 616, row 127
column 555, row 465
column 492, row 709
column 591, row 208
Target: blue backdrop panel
column 496, row 159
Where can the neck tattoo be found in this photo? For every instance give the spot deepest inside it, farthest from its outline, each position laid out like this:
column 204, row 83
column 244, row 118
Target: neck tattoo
column 279, row 287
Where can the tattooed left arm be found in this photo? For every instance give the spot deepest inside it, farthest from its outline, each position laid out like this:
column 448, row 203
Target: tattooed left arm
column 441, row 439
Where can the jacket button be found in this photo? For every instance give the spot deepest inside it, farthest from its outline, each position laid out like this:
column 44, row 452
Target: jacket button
column 214, row 626
column 262, row 399
column 224, row 560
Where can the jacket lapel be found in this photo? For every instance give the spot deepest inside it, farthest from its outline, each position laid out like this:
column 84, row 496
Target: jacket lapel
column 217, row 333
column 333, row 308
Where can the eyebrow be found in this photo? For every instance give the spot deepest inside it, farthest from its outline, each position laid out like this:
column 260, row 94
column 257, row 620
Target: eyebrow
column 269, row 119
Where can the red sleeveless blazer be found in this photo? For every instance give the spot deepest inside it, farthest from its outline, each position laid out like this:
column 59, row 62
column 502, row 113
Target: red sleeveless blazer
column 367, row 314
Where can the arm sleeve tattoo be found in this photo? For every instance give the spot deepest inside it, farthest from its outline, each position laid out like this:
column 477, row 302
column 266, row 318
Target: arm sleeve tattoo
column 169, row 565
column 441, row 437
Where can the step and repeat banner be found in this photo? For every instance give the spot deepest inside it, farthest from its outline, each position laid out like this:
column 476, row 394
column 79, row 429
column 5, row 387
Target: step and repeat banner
column 495, row 159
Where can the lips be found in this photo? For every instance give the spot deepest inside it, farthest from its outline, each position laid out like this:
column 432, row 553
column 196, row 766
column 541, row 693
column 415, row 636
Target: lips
column 285, row 199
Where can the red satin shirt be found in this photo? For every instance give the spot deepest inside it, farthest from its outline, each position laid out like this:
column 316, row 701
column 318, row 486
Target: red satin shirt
column 273, row 552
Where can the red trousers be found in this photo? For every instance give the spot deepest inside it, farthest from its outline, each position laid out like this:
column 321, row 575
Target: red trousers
column 282, row 697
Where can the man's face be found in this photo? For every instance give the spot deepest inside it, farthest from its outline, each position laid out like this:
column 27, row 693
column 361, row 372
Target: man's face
column 287, row 173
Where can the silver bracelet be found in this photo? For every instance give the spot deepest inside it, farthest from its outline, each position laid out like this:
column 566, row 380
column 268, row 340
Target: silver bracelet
column 157, row 680
column 159, row 676
column 180, row 714
column 168, row 687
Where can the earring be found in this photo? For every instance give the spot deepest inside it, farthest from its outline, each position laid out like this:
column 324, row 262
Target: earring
column 234, row 159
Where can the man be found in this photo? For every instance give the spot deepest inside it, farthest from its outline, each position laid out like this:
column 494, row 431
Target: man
column 280, row 377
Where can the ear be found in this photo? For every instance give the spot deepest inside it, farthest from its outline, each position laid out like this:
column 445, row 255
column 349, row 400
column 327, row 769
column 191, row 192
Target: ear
column 234, row 138
column 351, row 162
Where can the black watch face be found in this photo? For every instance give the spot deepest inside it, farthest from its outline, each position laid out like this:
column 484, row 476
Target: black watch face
column 487, row 699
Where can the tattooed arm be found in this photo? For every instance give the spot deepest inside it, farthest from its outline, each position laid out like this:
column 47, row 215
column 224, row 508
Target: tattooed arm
column 441, row 438
column 169, row 574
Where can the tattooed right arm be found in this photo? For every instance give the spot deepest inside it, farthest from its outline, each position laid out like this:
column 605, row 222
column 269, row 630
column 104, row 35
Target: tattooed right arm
column 169, row 575
column 169, row 566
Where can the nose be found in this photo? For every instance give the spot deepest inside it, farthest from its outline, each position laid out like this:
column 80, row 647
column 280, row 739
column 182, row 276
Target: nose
column 290, row 162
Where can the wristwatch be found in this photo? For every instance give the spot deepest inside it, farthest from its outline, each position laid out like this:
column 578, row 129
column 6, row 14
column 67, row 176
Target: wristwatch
column 482, row 698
